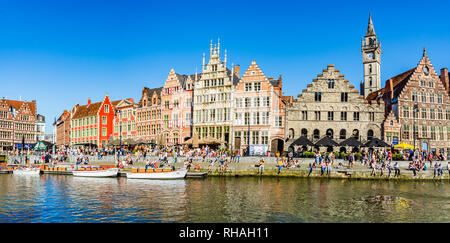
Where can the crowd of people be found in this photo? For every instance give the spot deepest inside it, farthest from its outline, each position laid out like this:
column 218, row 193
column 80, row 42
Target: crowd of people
column 379, row 161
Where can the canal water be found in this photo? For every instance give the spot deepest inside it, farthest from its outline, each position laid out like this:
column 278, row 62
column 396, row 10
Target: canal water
column 58, row 198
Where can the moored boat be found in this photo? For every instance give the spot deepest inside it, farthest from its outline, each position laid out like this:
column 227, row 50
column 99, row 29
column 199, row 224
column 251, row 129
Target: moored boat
column 158, row 174
column 96, row 172
column 26, row 171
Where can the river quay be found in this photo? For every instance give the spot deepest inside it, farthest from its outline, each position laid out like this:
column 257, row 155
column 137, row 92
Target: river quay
column 246, row 168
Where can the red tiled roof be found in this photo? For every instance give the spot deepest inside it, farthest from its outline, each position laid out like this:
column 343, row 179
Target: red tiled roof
column 92, row 109
column 398, row 83
column 17, row 104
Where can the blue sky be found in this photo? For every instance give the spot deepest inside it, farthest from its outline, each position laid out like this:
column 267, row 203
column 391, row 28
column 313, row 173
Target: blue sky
column 61, row 53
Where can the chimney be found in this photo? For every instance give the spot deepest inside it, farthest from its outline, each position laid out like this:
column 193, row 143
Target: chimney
column 89, row 101
column 236, row 70
column 280, row 84
column 445, row 79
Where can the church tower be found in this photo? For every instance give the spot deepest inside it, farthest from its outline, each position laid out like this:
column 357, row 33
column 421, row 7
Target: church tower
column 371, row 49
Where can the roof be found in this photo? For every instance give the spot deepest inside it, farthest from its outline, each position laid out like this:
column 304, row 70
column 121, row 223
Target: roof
column 398, row 82
column 92, row 109
column 17, row 104
column 150, row 92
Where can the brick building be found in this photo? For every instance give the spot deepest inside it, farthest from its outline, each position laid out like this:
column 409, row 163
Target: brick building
column 148, row 115
column 176, row 108
column 63, row 129
column 260, row 110
column 125, row 120
column 417, row 107
column 22, row 126
column 93, row 123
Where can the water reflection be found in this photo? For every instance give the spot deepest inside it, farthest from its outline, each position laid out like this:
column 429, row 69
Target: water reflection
column 58, row 198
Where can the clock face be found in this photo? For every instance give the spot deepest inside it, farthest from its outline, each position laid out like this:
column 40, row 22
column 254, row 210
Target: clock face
column 370, row 55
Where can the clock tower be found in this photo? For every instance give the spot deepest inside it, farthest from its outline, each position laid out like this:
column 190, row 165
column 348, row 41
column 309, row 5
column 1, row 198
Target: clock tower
column 371, row 49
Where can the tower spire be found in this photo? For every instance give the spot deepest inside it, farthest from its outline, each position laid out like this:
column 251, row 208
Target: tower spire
column 370, row 28
column 210, row 49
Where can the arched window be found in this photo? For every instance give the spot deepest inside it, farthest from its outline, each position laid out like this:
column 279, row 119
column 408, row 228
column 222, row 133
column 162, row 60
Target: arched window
column 355, row 134
column 291, row 133
column 316, row 134
column 304, row 132
column 343, row 134
column 330, row 133
column 369, row 134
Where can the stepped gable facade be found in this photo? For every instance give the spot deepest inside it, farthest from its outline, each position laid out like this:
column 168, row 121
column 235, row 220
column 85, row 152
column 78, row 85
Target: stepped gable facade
column 260, row 111
column 331, row 107
column 417, row 107
column 20, row 127
column 148, row 115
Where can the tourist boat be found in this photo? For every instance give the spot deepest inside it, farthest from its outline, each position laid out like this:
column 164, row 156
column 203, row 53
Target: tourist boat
column 26, row 171
column 158, row 174
column 96, row 172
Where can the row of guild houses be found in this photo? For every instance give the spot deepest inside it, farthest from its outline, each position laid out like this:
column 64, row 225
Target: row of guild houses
column 249, row 111
column 215, row 104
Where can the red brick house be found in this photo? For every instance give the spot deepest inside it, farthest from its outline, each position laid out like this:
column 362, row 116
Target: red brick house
column 93, row 123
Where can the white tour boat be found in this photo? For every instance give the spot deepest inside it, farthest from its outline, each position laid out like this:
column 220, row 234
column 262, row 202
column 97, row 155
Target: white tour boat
column 158, row 174
column 96, row 172
column 27, row 171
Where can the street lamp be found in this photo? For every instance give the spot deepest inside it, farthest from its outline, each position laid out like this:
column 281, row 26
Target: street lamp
column 13, row 111
column 120, row 125
column 416, row 108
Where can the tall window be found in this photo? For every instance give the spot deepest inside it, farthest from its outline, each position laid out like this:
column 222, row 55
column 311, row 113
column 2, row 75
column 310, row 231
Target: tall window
column 247, row 102
column 406, row 112
column 371, row 116
column 278, row 121
column 106, row 108
column 344, row 97
column 331, row 83
column 248, row 86
column 104, row 131
column 318, row 96
column 104, row 120
column 257, row 86
column 330, row 116
column 265, row 118
column 355, row 116
column 264, row 137
column 343, row 116
column 317, row 115
column 414, row 96
column 246, row 118
column 305, row 115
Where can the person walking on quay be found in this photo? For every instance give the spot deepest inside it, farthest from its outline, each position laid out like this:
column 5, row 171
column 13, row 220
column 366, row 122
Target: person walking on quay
column 323, row 167
column 389, row 167
column 280, row 164
column 351, row 158
column 311, row 166
column 436, row 168
column 396, row 169
column 412, row 167
column 329, row 168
